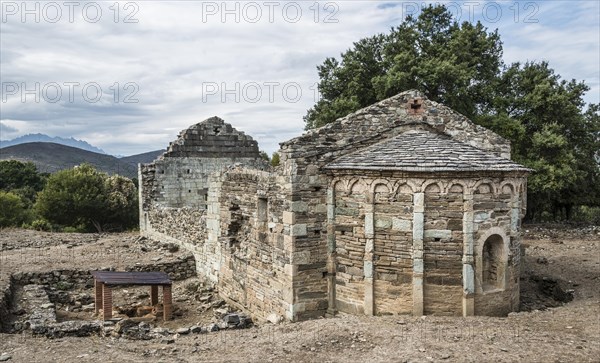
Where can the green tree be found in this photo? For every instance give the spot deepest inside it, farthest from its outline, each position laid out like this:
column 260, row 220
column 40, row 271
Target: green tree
column 16, row 175
column 13, row 212
column 451, row 63
column 83, row 196
column 543, row 117
column 74, row 197
column 122, row 201
column 275, row 159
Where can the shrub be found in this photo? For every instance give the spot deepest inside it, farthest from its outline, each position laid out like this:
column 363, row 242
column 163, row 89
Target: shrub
column 41, row 225
column 13, row 211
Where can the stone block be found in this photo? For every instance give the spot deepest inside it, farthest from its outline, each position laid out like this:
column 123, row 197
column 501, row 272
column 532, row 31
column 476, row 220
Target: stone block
column 289, row 217
column 300, row 258
column 419, row 199
column 312, row 170
column 290, row 270
column 401, row 224
column 354, row 271
column 369, row 227
column 383, row 222
column 418, row 221
column 299, row 206
column 514, row 219
column 438, row 233
column 418, row 265
column 330, row 211
column 320, row 208
column 468, row 279
column 298, row 230
column 368, row 269
column 481, row 217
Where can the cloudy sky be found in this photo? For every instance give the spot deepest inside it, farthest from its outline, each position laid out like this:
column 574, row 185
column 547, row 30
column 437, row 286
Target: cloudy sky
column 128, row 76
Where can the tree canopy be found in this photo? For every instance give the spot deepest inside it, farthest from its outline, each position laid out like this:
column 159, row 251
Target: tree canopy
column 87, row 198
column 461, row 66
column 15, row 174
column 451, row 63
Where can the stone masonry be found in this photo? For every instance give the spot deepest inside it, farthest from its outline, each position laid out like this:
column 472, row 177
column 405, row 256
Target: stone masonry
column 403, row 207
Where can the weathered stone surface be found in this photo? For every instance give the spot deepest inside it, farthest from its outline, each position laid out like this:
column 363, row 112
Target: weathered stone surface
column 401, row 224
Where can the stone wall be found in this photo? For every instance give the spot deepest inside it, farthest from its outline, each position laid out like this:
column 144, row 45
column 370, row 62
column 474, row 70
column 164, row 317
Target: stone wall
column 350, row 248
column 443, row 250
column 392, row 250
column 254, row 271
column 179, row 269
column 395, row 255
column 174, row 192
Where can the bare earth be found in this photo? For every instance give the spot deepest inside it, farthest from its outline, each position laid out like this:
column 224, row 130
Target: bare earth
column 548, row 331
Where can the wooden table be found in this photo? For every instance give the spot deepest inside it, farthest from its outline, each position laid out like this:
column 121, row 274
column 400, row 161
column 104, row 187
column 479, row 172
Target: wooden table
column 105, row 280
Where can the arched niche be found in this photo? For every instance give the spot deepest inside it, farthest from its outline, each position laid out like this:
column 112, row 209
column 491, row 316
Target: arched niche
column 491, row 261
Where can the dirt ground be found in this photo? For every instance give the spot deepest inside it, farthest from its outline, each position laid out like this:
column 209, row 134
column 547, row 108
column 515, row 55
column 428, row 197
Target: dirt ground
column 546, row 331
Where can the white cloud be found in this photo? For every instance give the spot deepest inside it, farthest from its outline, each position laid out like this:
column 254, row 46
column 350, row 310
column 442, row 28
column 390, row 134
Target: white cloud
column 172, row 56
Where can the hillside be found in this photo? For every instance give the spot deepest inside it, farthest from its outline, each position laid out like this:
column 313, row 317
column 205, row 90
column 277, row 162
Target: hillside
column 52, row 157
column 30, row 138
column 144, row 158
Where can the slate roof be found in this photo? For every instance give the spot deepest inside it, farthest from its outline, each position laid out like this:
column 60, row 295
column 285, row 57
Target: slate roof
column 424, row 151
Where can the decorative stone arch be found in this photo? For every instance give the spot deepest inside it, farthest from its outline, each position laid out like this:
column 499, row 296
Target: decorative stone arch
column 401, row 184
column 491, row 260
column 511, row 184
column 378, row 182
column 454, row 182
column 357, row 184
column 428, row 183
column 339, row 185
column 493, row 185
column 410, row 183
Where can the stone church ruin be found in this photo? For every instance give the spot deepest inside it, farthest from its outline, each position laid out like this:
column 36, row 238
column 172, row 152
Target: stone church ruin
column 403, row 207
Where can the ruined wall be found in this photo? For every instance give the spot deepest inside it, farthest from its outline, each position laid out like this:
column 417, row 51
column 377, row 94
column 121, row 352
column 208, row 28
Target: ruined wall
column 254, row 271
column 174, row 189
column 380, row 241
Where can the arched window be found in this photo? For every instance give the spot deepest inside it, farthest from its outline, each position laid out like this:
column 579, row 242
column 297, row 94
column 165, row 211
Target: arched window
column 493, row 263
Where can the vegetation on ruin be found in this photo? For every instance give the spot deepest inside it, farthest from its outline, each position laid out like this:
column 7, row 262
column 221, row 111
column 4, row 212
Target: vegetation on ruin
column 550, row 127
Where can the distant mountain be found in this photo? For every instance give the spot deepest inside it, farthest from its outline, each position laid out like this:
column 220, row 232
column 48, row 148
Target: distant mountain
column 52, row 157
column 57, row 140
column 144, row 158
